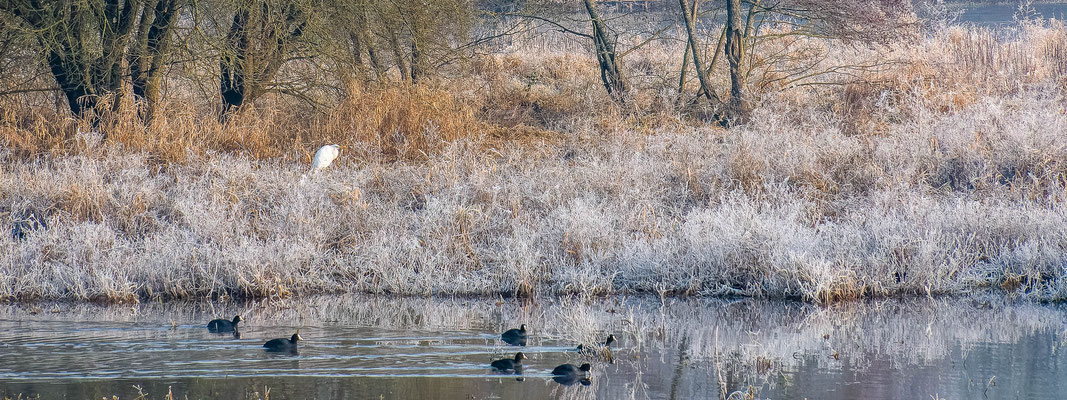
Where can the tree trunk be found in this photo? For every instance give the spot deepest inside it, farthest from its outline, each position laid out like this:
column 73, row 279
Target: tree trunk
column 685, row 55
column 67, row 33
column 232, row 64
column 149, row 61
column 73, row 84
column 418, row 64
column 85, row 44
column 367, row 38
column 401, row 63
column 681, row 75
column 688, row 15
column 372, row 53
column 416, row 60
column 118, row 22
column 610, row 72
column 734, row 49
column 356, row 46
column 243, row 76
column 363, row 41
column 139, row 59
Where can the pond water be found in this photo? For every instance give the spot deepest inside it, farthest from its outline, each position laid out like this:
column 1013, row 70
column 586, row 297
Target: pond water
column 439, row 348
column 1004, row 14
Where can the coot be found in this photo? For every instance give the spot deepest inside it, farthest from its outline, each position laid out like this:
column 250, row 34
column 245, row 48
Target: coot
column 515, row 337
column 568, row 374
column 509, row 365
column 283, row 345
column 221, row 325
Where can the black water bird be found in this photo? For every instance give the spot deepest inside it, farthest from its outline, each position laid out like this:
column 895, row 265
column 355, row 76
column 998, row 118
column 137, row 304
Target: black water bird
column 590, row 350
column 222, row 325
column 515, row 337
column 509, row 365
column 283, row 345
column 568, row 374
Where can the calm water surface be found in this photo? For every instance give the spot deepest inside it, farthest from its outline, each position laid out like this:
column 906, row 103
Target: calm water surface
column 1004, row 14
column 362, row 347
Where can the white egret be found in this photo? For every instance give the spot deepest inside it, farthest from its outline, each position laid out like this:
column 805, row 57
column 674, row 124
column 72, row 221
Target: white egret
column 325, row 156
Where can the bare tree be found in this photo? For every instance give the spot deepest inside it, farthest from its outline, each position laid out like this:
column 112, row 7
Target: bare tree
column 688, row 16
column 880, row 21
column 304, row 48
column 260, row 39
column 737, row 110
column 148, row 53
column 84, row 43
column 431, row 31
column 610, row 70
column 604, row 39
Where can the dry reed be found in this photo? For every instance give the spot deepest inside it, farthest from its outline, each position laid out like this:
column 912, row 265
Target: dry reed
column 933, row 175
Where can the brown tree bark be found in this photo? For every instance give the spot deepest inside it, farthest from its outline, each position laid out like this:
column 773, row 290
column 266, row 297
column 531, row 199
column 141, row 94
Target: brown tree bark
column 610, row 71
column 83, row 43
column 401, row 62
column 119, row 23
column 685, row 59
column 356, row 44
column 414, row 20
column 372, row 53
column 734, row 50
column 250, row 64
column 698, row 63
column 148, row 57
column 232, row 64
column 363, row 42
column 416, row 60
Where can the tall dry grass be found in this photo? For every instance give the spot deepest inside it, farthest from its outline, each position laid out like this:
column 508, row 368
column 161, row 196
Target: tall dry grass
column 940, row 172
column 396, row 122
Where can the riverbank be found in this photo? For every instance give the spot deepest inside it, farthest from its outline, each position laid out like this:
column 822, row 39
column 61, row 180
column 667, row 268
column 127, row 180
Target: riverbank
column 935, row 176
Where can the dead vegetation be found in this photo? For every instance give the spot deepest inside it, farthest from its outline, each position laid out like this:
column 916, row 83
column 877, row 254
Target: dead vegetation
column 930, row 175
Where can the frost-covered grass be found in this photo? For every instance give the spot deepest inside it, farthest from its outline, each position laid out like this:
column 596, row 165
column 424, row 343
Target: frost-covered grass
column 907, row 186
column 782, row 207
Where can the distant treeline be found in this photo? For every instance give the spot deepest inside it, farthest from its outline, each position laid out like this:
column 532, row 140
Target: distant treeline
column 98, row 52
